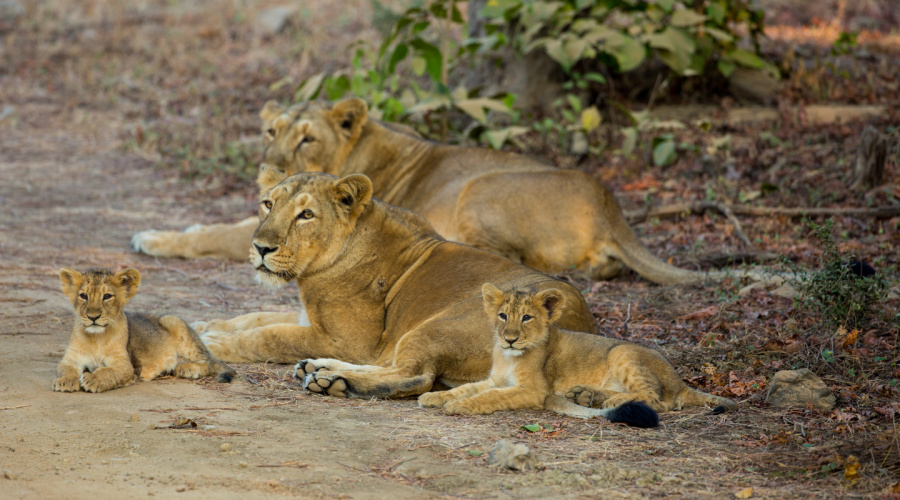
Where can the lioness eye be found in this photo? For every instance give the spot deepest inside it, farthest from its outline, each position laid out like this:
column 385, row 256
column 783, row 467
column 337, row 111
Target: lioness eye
column 271, row 132
column 106, row 296
column 82, row 296
column 525, row 318
column 306, row 140
column 267, row 204
column 306, row 214
column 502, row 316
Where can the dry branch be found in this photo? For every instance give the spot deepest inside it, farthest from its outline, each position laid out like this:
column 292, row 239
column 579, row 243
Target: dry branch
column 699, row 207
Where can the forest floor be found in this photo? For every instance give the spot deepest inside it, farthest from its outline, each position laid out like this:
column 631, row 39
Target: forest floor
column 118, row 118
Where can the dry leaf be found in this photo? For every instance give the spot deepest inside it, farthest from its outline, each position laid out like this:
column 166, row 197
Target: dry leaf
column 744, row 493
column 183, row 423
column 851, row 469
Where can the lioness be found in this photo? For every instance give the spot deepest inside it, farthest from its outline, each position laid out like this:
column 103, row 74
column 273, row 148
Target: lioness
column 109, row 346
column 399, row 305
column 512, row 205
column 538, row 365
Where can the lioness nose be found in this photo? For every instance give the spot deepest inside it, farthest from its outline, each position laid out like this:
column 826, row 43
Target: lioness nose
column 264, row 250
column 93, row 318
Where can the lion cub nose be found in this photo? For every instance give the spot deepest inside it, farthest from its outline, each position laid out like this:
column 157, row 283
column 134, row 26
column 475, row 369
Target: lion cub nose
column 511, row 340
column 93, row 318
column 264, row 250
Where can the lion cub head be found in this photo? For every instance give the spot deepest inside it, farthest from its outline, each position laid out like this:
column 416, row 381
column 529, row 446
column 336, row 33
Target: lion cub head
column 304, row 223
column 99, row 296
column 522, row 317
column 310, row 136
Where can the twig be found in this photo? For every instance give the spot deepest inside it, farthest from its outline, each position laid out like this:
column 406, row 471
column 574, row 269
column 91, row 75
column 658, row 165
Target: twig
column 15, row 407
column 627, row 319
column 699, row 207
column 738, row 230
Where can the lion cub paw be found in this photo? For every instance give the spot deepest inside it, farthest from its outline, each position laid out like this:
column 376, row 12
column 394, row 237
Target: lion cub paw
column 326, row 383
column 67, row 384
column 581, row 396
column 433, row 399
column 460, row 407
column 92, row 383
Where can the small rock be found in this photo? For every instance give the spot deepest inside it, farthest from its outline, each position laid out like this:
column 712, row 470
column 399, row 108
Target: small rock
column 244, row 465
column 513, row 456
column 135, row 417
column 226, row 447
column 8, row 474
column 181, row 489
column 799, row 387
column 272, row 20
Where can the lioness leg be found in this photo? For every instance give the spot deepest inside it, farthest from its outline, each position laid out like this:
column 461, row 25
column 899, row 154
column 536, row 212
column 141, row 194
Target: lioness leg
column 222, row 241
column 246, row 322
column 394, row 382
column 283, row 343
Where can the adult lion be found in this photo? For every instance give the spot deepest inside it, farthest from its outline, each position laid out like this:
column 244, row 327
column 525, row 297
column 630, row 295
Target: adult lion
column 509, row 204
column 399, row 305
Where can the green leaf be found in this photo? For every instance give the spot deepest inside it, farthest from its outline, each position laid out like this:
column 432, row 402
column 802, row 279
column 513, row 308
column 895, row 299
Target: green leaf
column 630, row 141
column 308, row 89
column 828, row 356
column 664, row 153
column 574, row 102
column 746, row 58
column 686, row 17
column 475, row 453
column 574, row 47
column 665, row 5
column 399, row 54
column 718, row 34
column 434, row 61
column 726, row 67
column 532, row 427
column 542, row 11
column 496, row 138
column 475, row 107
column 629, row 55
column 676, row 48
column 595, row 77
column 716, row 11
column 418, row 65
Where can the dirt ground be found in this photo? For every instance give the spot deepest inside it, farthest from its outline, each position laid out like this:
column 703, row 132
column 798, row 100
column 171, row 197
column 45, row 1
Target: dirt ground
column 77, row 180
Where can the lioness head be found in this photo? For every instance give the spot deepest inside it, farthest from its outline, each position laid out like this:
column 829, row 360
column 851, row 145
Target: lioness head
column 304, row 223
column 521, row 317
column 310, row 136
column 99, row 295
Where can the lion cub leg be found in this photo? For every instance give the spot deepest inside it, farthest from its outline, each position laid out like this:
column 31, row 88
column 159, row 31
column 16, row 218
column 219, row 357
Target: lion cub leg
column 117, row 373
column 68, row 376
column 439, row 398
column 192, row 359
column 489, row 401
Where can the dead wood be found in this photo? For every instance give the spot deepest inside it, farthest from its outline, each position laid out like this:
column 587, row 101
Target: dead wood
column 870, row 161
column 699, row 207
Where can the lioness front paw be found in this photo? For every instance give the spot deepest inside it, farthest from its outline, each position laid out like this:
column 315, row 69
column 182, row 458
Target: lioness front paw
column 149, row 242
column 92, row 383
column 581, row 396
column 67, row 384
column 304, row 367
column 459, row 407
column 326, row 383
column 433, row 399
column 218, row 344
column 213, row 325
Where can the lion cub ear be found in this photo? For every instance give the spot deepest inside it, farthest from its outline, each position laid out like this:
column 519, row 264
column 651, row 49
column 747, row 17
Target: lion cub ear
column 493, row 297
column 271, row 111
column 129, row 280
column 71, row 281
column 349, row 116
column 552, row 301
column 353, row 194
column 269, row 176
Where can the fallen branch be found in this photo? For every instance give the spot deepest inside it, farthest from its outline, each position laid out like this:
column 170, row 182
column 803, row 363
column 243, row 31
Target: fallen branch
column 14, row 407
column 699, row 207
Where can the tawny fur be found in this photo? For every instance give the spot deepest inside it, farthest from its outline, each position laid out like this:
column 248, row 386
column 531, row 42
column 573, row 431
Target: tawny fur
column 546, row 218
column 389, row 304
column 110, row 347
column 536, row 365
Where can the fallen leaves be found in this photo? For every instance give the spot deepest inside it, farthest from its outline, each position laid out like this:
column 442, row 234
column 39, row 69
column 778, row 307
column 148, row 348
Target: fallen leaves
column 851, row 469
column 744, row 493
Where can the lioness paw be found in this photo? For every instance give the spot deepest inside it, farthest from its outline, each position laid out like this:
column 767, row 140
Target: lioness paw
column 147, row 242
column 433, row 399
column 303, row 368
column 326, row 383
column 67, row 384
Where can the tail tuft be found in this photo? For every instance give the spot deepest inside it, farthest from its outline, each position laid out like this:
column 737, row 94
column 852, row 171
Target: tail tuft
column 636, row 414
column 718, row 410
column 224, row 378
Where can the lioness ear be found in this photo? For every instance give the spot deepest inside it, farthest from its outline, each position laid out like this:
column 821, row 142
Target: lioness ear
column 271, row 110
column 130, row 280
column 493, row 297
column 269, row 177
column 353, row 194
column 349, row 116
column 71, row 281
column 552, row 300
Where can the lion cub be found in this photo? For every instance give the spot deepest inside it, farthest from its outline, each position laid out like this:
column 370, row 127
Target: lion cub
column 109, row 347
column 537, row 365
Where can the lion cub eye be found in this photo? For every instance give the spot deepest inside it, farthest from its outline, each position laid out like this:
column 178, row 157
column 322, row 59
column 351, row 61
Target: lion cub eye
column 271, row 133
column 502, row 316
column 306, row 215
column 267, row 204
column 82, row 296
column 107, row 296
column 525, row 318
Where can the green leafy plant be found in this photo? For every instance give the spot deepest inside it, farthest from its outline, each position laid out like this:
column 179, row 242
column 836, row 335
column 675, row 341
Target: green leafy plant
column 833, row 290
